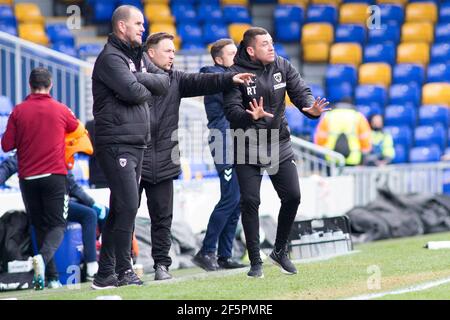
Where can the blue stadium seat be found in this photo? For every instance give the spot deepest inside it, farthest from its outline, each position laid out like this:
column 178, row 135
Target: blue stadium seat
column 295, row 120
column 385, row 52
column 440, row 52
column 8, row 28
column 7, row 15
column 369, row 110
column 89, row 50
column 317, row 90
column 399, row 115
column 442, row 33
column 408, row 73
column 444, row 12
column 103, row 11
column 205, row 2
column 288, row 31
column 288, row 13
column 438, row 72
column 336, row 93
column 392, row 13
column 281, row 51
column 184, row 13
column 65, row 48
column 322, row 13
column 214, row 31
column 405, row 94
column 6, row 106
column 350, row 33
column 371, row 95
column 431, row 135
column 434, row 114
column 136, row 3
column 236, row 14
column 192, row 45
column 337, row 74
column 401, row 154
column 401, row 136
column 424, row 154
column 385, row 34
column 190, row 32
column 360, row 1
column 60, row 33
column 210, row 13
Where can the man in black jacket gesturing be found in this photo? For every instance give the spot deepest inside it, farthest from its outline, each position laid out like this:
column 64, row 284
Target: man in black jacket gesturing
column 262, row 139
column 161, row 160
column 121, row 88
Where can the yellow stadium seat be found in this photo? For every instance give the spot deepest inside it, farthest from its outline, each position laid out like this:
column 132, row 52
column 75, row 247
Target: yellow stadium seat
column 237, row 30
column 400, row 2
column 421, row 12
column 353, row 13
column 33, row 32
column 158, row 13
column 163, row 27
column 417, row 32
column 333, row 2
column 413, row 52
column 436, row 93
column 28, row 13
column 316, row 52
column 288, row 101
column 10, row 2
column 303, row 3
column 375, row 73
column 234, row 2
column 350, row 53
column 317, row 32
column 157, row 1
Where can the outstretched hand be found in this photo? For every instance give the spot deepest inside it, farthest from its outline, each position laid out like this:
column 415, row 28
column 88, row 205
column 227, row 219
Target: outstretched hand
column 319, row 106
column 257, row 110
column 243, row 78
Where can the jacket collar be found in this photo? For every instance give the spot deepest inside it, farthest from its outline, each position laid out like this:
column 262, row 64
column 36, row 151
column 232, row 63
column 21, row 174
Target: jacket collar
column 134, row 53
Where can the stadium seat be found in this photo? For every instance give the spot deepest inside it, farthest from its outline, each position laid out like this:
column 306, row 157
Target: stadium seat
column 440, row 52
column 288, row 13
column 430, row 135
column 281, row 51
column 429, row 115
column 387, row 33
column 237, row 30
column 401, row 135
column 392, row 13
column 28, row 13
column 190, row 32
column 295, row 120
column 235, row 2
column 317, row 32
column 33, row 32
column 350, row 33
column 346, row 53
column 336, row 93
column 421, row 12
column 371, row 95
column 444, row 13
column 417, row 32
column 210, row 13
column 214, row 31
column 353, row 13
column 60, row 33
column 158, row 13
column 317, row 90
column 7, row 14
column 442, row 33
column 408, row 73
column 8, row 28
column 87, row 50
column 163, row 27
column 375, row 73
column 380, row 53
column 303, row 3
column 400, row 115
column 399, row 2
column 424, row 154
column 337, row 74
column 103, row 11
column 184, row 13
column 322, row 13
column 236, row 14
column 438, row 72
column 405, row 94
column 317, row 52
column 288, row 31
column 413, row 53
column 368, row 110
column 401, row 154
column 6, row 106
column 65, row 48
column 436, row 93
column 137, row 3
column 332, row 2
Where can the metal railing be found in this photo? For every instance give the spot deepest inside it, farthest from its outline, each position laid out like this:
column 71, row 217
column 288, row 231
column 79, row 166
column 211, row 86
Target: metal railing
column 399, row 178
column 71, row 76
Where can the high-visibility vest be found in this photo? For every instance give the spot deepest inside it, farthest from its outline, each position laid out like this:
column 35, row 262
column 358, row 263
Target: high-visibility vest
column 383, row 144
column 77, row 141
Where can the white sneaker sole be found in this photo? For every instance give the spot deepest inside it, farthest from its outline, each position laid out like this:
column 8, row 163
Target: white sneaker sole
column 93, row 286
column 262, row 277
column 281, row 268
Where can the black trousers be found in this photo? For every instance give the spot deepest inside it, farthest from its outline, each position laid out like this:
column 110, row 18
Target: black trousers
column 160, row 208
column 122, row 166
column 46, row 203
column 286, row 184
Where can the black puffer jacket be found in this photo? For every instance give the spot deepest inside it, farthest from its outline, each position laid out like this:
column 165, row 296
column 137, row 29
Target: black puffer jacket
column 161, row 158
column 272, row 81
column 121, row 92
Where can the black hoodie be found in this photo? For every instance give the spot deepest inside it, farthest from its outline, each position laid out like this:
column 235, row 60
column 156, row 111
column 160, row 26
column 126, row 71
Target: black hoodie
column 272, row 82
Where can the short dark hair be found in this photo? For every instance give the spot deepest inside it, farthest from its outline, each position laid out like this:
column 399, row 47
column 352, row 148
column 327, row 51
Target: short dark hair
column 250, row 35
column 40, row 78
column 122, row 13
column 155, row 38
column 216, row 48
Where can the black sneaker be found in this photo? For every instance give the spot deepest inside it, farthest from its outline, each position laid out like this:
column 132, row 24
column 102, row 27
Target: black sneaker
column 229, row 263
column 280, row 258
column 101, row 283
column 162, row 273
column 207, row 262
column 256, row 271
column 129, row 278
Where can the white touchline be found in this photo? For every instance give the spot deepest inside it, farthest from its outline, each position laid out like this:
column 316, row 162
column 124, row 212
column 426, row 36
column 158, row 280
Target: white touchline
column 419, row 287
